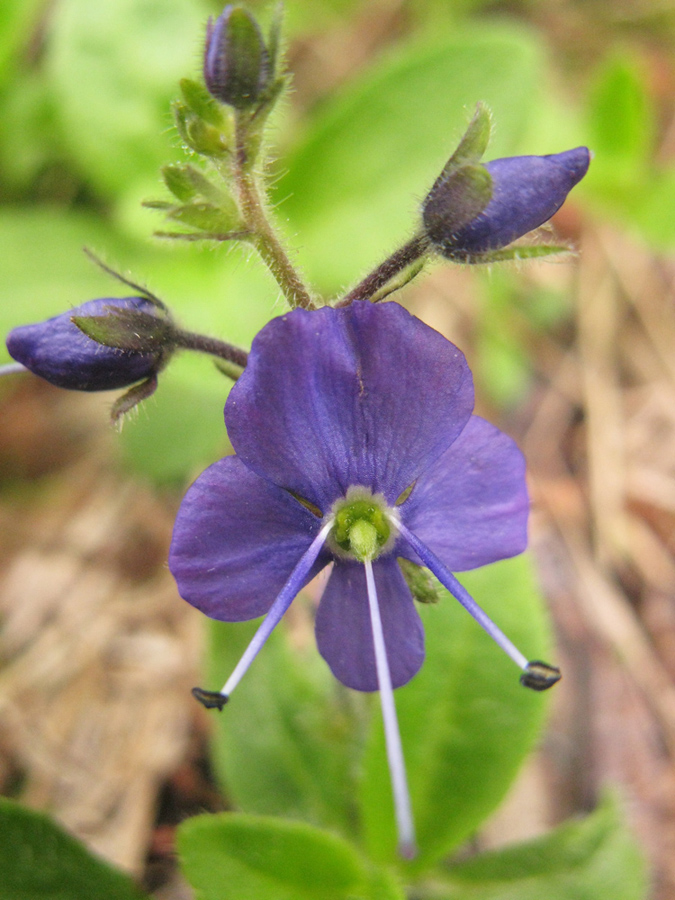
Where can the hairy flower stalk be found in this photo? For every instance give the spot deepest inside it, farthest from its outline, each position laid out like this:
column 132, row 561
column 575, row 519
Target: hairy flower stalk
column 359, row 459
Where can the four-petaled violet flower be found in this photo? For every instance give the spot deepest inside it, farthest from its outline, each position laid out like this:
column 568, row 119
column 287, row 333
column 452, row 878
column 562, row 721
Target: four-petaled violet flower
column 355, row 445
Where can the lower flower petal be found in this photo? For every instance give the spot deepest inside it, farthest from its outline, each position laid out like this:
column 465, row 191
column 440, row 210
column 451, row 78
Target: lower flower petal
column 236, row 540
column 471, row 506
column 343, row 630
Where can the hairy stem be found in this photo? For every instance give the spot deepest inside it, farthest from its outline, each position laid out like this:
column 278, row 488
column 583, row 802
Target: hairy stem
column 188, row 340
column 403, row 257
column 262, row 233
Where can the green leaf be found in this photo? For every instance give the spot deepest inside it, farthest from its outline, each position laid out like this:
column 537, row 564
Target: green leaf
column 466, row 722
column 233, row 856
column 40, row 861
column 595, row 858
column 387, row 137
column 286, row 742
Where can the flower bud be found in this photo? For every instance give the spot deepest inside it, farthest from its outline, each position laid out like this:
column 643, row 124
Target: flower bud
column 526, row 192
column 61, row 352
column 236, row 61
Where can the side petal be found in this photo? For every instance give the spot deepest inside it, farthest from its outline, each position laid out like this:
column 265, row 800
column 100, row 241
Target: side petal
column 471, row 506
column 236, row 540
column 343, row 631
column 364, row 395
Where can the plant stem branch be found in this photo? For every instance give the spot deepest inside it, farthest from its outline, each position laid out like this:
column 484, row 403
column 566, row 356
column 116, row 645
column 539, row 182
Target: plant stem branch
column 399, row 260
column 188, row 340
column 262, row 233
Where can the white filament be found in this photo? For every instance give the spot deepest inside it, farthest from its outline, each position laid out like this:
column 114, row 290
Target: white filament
column 399, row 781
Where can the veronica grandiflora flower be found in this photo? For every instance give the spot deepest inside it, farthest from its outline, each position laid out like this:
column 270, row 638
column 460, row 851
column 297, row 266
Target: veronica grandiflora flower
column 355, row 446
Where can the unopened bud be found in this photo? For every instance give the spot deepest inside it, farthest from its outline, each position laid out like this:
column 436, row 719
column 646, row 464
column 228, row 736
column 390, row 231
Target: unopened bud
column 60, row 351
column 526, row 192
column 236, row 61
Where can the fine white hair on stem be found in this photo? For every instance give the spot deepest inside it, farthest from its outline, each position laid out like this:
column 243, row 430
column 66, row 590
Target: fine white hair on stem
column 399, row 782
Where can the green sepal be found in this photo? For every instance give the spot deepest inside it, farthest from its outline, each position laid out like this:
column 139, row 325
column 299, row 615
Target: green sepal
column 161, row 205
column 423, row 586
column 207, row 217
column 274, row 37
column 476, row 138
column 128, row 329
column 202, row 104
column 455, row 199
column 186, row 182
column 198, row 134
column 229, row 369
column 131, row 398
column 517, row 252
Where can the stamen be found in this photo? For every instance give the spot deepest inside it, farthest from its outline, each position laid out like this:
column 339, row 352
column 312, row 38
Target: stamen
column 277, row 609
column 459, row 592
column 404, row 821
column 14, row 368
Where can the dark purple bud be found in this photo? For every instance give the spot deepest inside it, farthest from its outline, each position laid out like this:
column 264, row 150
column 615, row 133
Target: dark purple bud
column 236, row 61
column 58, row 350
column 526, row 192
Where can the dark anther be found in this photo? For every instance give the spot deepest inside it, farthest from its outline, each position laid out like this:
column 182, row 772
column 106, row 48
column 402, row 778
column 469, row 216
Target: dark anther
column 539, row 676
column 210, row 699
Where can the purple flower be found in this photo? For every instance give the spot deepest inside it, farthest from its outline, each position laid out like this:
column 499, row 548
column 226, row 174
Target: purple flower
column 526, row 192
column 355, row 445
column 58, row 351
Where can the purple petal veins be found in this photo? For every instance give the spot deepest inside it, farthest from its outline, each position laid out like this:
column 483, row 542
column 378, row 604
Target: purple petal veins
column 365, row 395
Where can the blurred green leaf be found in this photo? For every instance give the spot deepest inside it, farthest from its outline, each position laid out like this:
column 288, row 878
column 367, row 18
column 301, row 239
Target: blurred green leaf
column 17, row 17
column 466, row 722
column 595, row 858
column 621, row 119
column 40, row 861
column 233, row 856
column 115, row 66
column 350, row 187
column 286, row 742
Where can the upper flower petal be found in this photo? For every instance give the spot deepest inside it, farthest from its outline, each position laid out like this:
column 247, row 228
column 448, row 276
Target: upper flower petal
column 364, row 395
column 236, row 540
column 344, row 633
column 471, row 506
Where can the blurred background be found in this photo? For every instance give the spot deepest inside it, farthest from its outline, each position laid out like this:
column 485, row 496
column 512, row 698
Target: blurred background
column 574, row 358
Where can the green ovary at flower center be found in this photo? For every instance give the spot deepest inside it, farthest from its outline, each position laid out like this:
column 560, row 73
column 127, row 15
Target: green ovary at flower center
column 361, row 526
